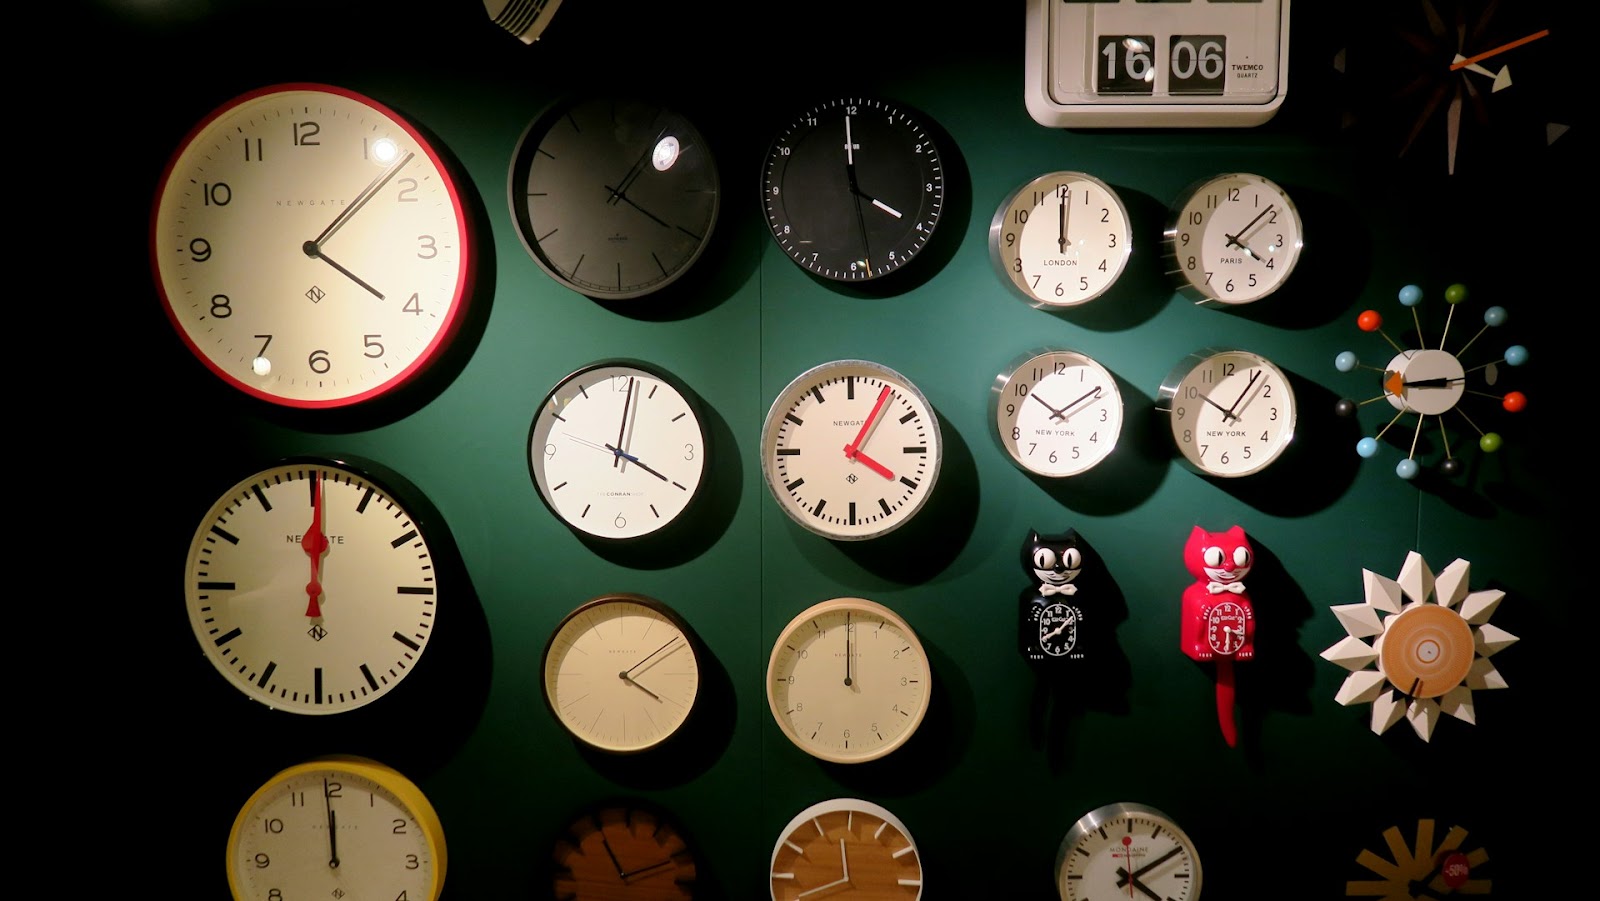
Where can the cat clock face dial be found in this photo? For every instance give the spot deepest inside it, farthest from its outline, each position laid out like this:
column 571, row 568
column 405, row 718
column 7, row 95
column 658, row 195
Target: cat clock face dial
column 848, row 680
column 1232, row 412
column 311, row 588
column 1057, row 625
column 1060, row 240
column 1233, row 239
column 311, row 247
column 337, row 827
column 851, row 449
column 1127, row 850
column 1056, row 412
column 846, row 848
column 1225, row 630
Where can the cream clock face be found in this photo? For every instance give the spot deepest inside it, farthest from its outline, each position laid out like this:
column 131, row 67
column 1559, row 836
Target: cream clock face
column 621, row 673
column 848, row 680
column 851, row 450
column 1056, row 412
column 310, row 246
column 337, row 828
column 617, row 450
column 1060, row 240
column 847, row 848
column 1233, row 239
column 311, row 588
column 1127, row 850
column 1232, row 412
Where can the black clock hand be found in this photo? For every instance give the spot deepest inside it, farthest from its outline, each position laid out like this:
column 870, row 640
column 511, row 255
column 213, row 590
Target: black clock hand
column 1092, row 392
column 1440, row 382
column 355, row 206
column 847, row 680
column 855, row 192
column 1236, row 239
column 1127, row 878
column 655, row 866
column 1247, row 386
column 629, row 201
column 634, row 171
column 611, row 854
column 627, row 399
column 1225, row 413
column 333, row 842
column 313, row 251
column 636, row 461
column 1155, row 863
column 628, row 673
column 1054, row 413
column 1066, row 201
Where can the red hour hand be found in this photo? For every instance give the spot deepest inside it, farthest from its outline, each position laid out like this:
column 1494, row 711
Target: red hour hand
column 315, row 544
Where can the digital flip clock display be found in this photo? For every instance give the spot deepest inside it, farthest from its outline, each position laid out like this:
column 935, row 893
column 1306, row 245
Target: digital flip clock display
column 1156, row 63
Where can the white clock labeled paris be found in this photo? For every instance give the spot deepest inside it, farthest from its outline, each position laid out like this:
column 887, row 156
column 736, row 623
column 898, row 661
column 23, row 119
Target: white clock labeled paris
column 1232, row 239
column 311, row 588
column 310, row 247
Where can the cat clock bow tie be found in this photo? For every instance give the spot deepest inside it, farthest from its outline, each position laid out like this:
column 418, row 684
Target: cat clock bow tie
column 1046, row 589
column 1220, row 587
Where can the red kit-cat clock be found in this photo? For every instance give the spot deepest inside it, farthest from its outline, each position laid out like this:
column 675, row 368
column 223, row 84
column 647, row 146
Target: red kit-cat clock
column 1219, row 622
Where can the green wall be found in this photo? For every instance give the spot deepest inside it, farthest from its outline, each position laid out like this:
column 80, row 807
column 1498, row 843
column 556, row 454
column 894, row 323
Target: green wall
column 1003, row 765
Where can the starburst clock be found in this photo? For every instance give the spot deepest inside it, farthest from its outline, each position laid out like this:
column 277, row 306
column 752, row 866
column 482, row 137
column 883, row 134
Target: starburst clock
column 1421, row 869
column 1432, row 383
column 1419, row 646
column 1438, row 73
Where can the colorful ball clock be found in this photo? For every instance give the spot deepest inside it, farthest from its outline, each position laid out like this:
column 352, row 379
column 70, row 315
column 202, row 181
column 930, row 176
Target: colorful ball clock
column 1432, row 382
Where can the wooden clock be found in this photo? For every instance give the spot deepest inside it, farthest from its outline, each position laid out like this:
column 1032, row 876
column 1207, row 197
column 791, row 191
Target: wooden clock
column 624, row 851
column 847, row 848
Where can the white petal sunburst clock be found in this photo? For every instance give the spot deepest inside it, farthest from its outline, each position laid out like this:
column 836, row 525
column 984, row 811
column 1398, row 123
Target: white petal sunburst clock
column 1418, row 646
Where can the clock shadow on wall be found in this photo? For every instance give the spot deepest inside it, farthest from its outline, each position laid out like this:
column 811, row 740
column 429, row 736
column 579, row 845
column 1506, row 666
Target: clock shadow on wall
column 1334, row 266
column 1128, row 476
column 703, row 523
column 926, row 544
column 691, row 751
column 1281, row 675
column 1316, row 469
column 1057, row 700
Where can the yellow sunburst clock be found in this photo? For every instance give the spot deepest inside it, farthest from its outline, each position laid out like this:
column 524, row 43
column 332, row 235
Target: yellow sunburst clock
column 1430, row 644
column 1421, row 869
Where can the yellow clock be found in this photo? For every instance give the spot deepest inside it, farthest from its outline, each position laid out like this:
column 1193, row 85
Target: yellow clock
column 337, row 827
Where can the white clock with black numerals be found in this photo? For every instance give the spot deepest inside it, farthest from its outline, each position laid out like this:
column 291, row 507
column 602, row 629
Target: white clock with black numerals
column 850, row 449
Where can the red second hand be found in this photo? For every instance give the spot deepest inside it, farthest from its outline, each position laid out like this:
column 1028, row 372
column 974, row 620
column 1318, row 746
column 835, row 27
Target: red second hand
column 315, row 544
column 866, row 426
column 1127, row 858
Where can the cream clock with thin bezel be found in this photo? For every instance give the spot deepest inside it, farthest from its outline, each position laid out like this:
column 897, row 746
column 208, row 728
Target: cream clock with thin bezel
column 848, row 680
column 1231, row 411
column 1232, row 239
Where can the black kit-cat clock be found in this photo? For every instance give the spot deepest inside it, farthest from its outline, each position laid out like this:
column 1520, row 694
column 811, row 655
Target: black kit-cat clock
column 1052, row 628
